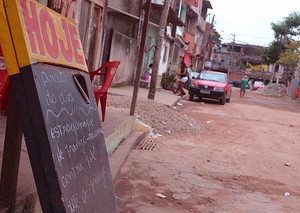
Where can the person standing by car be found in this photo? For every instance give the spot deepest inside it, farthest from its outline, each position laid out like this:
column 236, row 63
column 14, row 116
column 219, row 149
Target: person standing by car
column 251, row 84
column 189, row 74
column 243, row 87
column 183, row 77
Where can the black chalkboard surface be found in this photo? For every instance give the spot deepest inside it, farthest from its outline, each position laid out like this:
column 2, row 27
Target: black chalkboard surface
column 66, row 132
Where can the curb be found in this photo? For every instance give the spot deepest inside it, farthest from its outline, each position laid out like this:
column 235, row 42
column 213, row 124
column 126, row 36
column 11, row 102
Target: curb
column 119, row 156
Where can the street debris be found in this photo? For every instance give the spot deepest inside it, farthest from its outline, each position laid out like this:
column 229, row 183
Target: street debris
column 168, row 131
column 236, row 177
column 152, row 135
column 161, row 195
column 287, row 194
column 287, row 164
column 181, row 196
column 179, row 104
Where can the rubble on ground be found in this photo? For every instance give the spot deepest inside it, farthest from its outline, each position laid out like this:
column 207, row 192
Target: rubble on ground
column 164, row 120
column 273, row 90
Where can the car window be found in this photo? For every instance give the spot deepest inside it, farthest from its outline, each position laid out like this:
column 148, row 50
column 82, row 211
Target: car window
column 212, row 77
column 258, row 83
column 194, row 75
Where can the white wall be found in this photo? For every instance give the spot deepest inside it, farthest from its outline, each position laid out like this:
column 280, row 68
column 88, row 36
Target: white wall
column 163, row 65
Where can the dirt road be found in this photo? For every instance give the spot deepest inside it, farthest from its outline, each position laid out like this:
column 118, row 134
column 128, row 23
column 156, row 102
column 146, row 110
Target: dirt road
column 247, row 160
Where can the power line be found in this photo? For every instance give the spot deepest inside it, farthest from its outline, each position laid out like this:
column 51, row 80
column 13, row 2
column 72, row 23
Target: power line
column 256, row 36
column 221, row 29
column 228, row 37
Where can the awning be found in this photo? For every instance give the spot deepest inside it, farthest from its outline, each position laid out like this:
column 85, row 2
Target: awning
column 172, row 17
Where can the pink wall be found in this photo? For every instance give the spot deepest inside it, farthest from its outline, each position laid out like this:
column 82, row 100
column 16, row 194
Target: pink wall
column 186, row 59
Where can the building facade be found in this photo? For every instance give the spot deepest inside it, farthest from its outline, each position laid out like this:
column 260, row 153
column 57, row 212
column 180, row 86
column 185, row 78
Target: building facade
column 111, row 30
column 197, row 33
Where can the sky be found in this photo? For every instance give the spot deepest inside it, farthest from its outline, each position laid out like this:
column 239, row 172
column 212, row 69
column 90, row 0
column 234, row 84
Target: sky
column 249, row 21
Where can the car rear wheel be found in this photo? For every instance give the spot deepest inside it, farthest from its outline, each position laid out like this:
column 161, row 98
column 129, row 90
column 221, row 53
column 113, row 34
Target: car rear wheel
column 228, row 99
column 191, row 97
column 223, row 100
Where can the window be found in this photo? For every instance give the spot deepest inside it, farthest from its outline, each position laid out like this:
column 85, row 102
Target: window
column 84, row 21
column 188, row 24
column 176, row 54
column 182, row 12
column 94, row 37
column 212, row 77
column 165, row 53
column 89, row 31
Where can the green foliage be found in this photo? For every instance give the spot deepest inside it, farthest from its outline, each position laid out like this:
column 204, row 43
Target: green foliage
column 290, row 57
column 271, row 53
column 284, row 32
column 217, row 38
column 288, row 27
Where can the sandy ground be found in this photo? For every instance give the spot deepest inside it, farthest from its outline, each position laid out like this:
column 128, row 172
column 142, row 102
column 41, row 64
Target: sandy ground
column 244, row 158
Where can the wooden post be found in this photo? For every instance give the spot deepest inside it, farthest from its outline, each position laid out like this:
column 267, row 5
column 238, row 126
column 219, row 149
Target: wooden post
column 141, row 57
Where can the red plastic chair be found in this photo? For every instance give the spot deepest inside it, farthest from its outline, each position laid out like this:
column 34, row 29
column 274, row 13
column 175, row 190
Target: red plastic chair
column 101, row 92
column 297, row 92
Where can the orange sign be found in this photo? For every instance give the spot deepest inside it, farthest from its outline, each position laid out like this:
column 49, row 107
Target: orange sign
column 42, row 35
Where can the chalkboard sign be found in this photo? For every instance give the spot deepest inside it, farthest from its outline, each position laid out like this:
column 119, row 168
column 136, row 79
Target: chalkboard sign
column 58, row 113
column 69, row 137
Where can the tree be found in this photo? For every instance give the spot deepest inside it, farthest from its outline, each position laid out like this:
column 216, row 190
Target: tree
column 288, row 28
column 282, row 49
column 271, row 54
column 285, row 33
column 217, row 39
column 290, row 58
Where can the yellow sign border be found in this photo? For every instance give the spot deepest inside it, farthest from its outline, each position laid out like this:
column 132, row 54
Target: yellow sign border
column 14, row 23
column 7, row 43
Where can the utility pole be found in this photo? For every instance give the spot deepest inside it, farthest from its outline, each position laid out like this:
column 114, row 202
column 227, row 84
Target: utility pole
column 231, row 55
column 159, row 43
column 141, row 57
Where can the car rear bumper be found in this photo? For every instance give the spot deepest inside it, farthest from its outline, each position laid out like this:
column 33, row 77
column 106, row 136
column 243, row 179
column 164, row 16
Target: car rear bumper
column 206, row 93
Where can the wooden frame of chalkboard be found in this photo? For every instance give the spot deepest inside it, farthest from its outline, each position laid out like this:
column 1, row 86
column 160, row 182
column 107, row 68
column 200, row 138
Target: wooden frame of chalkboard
column 64, row 139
